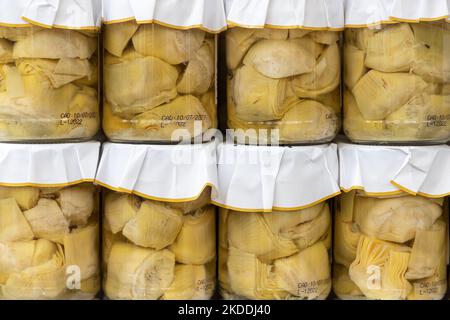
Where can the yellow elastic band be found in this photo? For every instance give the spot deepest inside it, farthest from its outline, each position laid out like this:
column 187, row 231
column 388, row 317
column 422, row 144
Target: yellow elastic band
column 373, row 194
column 394, row 20
column 42, row 25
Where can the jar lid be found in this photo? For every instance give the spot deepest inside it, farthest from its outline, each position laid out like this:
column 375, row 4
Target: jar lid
column 175, row 173
column 266, row 179
column 178, row 14
column 365, row 13
column 382, row 170
column 64, row 14
column 282, row 14
column 48, row 165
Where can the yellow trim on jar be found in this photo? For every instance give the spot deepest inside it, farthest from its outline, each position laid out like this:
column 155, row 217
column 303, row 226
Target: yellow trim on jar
column 395, row 20
column 373, row 194
column 47, row 26
column 418, row 193
column 47, row 185
column 15, row 25
column 164, row 24
column 146, row 196
column 232, row 24
column 281, row 209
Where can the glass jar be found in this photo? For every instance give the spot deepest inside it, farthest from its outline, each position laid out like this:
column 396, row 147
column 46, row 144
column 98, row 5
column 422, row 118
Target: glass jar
column 158, row 250
column 159, row 83
column 277, row 255
column 283, row 85
column 48, row 84
column 397, row 81
column 49, row 243
column 390, row 247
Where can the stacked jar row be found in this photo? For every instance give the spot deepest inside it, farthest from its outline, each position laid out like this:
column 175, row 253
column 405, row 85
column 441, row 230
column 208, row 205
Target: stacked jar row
column 385, row 247
column 160, row 83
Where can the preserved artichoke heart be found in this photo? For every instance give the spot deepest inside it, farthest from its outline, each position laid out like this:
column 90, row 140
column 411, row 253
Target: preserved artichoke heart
column 354, row 67
column 47, row 221
column 250, row 233
column 279, row 59
column 86, row 258
column 239, row 41
column 343, row 286
column 308, row 120
column 43, row 281
column 119, row 209
column 59, row 72
column 196, row 242
column 170, row 45
column 138, row 273
column 391, row 49
column 346, row 239
column 113, row 123
column 325, row 37
column 427, row 250
column 379, row 269
column 191, row 283
column 55, row 44
column 155, row 225
column 189, row 206
column 26, row 197
column 16, row 34
column 118, row 35
column 13, row 225
column 325, row 77
column 77, row 204
column 199, row 73
column 306, row 274
column 379, row 94
column 431, row 60
column 154, row 83
column 250, row 278
column 181, row 113
column 258, row 98
column 396, row 219
column 6, row 51
column 17, row 256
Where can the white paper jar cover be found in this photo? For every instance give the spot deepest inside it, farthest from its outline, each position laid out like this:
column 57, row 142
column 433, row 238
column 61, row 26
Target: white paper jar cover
column 49, row 70
column 275, row 221
column 391, row 237
column 396, row 75
column 49, row 227
column 167, row 49
column 283, row 59
column 158, row 220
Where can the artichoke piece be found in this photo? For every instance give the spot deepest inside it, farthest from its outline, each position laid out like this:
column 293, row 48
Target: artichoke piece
column 171, row 45
column 26, row 197
column 308, row 120
column 431, row 60
column 44, row 281
column 250, row 278
column 154, row 83
column 6, row 51
column 250, row 233
column 114, row 125
column 306, row 274
column 81, row 248
column 429, row 246
column 279, row 59
column 119, row 209
column 343, row 286
column 298, row 33
column 155, row 225
column 196, row 242
column 354, row 67
column 395, row 219
column 391, row 49
column 284, row 221
column 18, row 33
column 55, row 44
column 258, row 98
column 138, row 273
column 346, row 239
column 203, row 200
column 325, row 37
column 192, row 283
column 379, row 269
column 199, row 74
column 77, row 204
column 325, row 77
column 47, row 221
column 182, row 113
column 379, row 94
column 13, row 225
column 209, row 103
column 17, row 256
column 118, row 35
